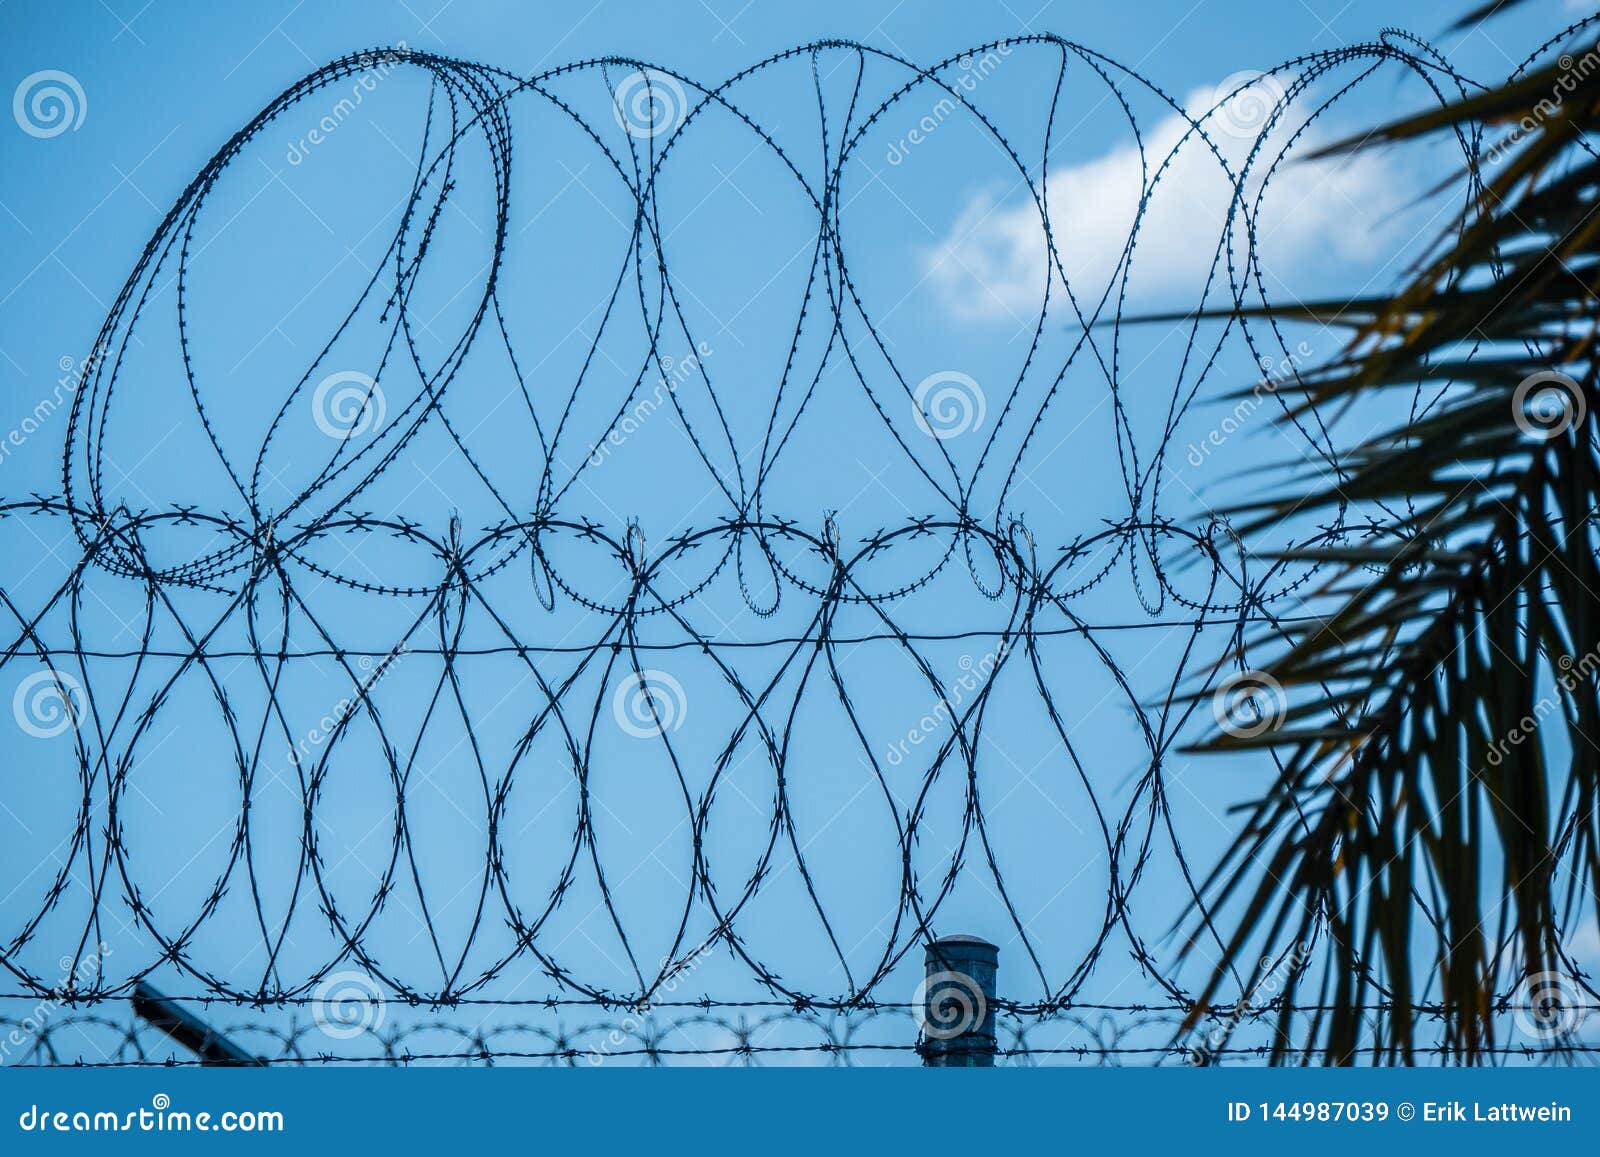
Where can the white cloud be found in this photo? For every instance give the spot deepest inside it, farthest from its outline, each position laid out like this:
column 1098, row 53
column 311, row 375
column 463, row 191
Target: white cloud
column 991, row 264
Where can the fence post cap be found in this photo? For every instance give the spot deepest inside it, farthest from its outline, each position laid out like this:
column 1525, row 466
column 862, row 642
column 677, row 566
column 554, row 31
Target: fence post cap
column 956, row 1020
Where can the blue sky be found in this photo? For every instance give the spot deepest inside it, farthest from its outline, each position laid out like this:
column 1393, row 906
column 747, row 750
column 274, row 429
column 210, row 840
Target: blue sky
column 945, row 244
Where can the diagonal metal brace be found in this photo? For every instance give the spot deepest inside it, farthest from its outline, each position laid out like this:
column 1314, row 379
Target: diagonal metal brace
column 187, row 1029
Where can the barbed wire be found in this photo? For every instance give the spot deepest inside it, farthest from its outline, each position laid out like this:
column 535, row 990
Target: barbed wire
column 235, row 596
column 729, row 1035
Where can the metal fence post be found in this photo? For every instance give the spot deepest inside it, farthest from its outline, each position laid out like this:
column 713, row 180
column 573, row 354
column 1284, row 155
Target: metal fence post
column 187, row 1029
column 955, row 1003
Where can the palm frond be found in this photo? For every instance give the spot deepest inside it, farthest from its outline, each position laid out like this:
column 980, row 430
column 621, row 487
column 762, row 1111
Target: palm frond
column 1436, row 823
